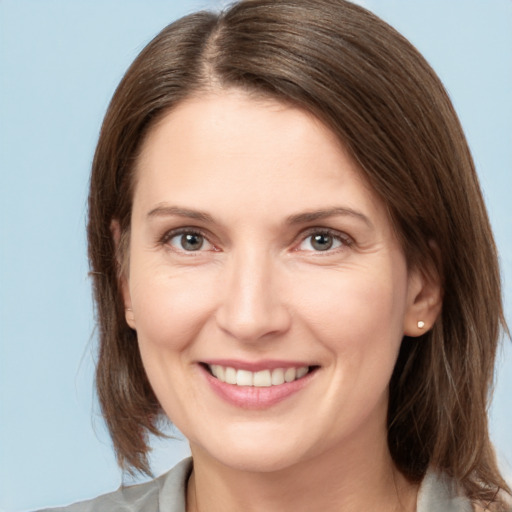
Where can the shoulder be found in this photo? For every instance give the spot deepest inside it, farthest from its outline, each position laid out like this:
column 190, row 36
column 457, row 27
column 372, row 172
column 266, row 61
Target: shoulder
column 440, row 493
column 166, row 492
column 504, row 504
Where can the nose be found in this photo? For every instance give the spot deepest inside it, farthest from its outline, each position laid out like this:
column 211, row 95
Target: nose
column 251, row 304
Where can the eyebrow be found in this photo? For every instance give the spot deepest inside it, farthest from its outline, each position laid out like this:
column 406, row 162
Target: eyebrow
column 166, row 211
column 302, row 218
column 299, row 218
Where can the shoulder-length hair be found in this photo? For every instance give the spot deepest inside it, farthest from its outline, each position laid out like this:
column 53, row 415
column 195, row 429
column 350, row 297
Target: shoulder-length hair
column 388, row 108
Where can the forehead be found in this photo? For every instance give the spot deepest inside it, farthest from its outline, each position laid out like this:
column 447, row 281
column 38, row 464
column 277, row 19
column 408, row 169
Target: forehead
column 235, row 123
column 230, row 149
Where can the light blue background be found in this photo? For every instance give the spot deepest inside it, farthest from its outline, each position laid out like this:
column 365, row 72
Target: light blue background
column 60, row 61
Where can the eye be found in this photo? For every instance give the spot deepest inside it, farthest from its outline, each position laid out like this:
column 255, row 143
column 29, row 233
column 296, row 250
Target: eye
column 322, row 241
column 187, row 241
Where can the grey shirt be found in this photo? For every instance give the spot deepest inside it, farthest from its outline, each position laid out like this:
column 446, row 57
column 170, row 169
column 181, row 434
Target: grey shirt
column 167, row 494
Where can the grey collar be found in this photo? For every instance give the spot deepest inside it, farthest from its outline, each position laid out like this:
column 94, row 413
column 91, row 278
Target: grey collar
column 437, row 493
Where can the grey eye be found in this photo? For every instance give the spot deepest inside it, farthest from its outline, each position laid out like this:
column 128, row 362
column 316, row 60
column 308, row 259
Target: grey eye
column 191, row 241
column 185, row 240
column 321, row 242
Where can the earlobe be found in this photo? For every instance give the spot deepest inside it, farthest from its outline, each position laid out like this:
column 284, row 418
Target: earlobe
column 424, row 302
column 130, row 318
column 122, row 278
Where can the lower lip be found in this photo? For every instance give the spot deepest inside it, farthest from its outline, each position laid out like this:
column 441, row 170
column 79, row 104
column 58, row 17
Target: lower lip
column 251, row 397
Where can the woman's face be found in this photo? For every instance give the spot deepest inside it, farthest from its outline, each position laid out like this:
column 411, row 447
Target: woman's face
column 266, row 286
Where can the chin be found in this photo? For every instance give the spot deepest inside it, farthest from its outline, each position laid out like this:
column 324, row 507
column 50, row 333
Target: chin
column 258, row 461
column 253, row 456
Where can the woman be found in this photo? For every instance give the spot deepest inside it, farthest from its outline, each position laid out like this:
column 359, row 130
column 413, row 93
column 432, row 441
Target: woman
column 292, row 262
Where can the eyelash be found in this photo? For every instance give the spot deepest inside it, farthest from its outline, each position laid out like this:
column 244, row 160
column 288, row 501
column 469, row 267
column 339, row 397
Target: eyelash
column 169, row 235
column 345, row 240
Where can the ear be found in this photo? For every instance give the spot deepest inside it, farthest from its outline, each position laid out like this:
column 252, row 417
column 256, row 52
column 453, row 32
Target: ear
column 424, row 301
column 122, row 271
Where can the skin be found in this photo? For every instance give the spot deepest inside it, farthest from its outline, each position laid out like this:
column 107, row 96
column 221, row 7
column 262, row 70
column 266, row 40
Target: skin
column 259, row 289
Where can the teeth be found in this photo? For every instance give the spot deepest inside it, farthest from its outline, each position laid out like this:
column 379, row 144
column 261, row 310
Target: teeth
column 230, row 376
column 221, row 372
column 261, row 379
column 301, row 372
column 243, row 378
column 290, row 374
column 278, row 377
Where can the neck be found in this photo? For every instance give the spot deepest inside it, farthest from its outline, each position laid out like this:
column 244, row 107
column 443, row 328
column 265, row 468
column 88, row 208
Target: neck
column 340, row 480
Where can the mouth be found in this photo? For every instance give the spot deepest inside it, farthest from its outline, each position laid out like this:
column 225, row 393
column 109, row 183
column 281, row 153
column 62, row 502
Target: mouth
column 264, row 378
column 257, row 385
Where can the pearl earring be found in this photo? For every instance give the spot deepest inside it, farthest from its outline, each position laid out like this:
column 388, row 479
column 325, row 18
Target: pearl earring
column 421, row 324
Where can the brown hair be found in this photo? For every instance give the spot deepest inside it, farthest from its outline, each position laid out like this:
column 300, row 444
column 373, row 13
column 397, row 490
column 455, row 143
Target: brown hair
column 373, row 89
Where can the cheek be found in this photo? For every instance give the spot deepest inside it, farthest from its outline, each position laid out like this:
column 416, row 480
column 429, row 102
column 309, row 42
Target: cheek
column 347, row 304
column 170, row 307
column 357, row 315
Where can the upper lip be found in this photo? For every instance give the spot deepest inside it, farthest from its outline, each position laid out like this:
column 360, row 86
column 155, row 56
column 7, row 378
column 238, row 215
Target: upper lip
column 256, row 366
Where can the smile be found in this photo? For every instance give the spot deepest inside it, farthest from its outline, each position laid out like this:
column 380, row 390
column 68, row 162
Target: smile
column 260, row 379
column 257, row 385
